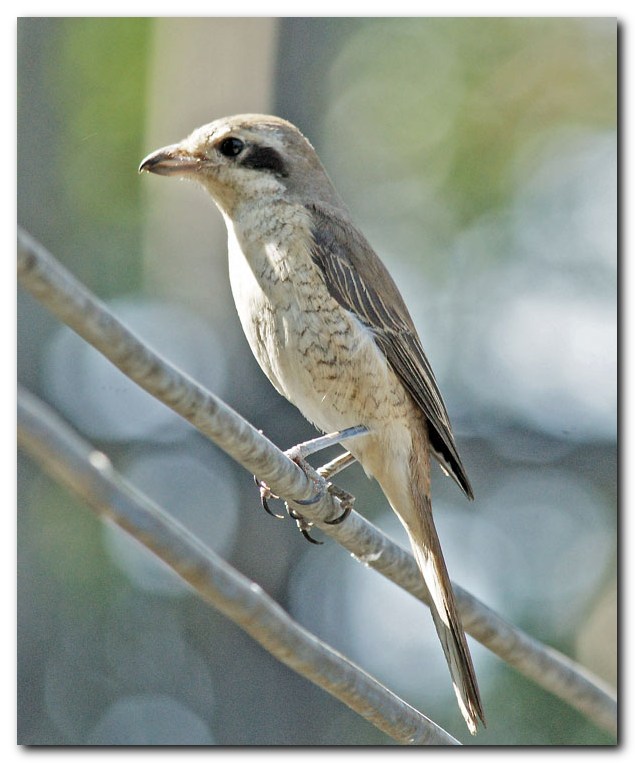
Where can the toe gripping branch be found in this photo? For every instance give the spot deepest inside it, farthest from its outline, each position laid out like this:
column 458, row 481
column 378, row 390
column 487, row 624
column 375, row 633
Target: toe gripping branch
column 298, row 455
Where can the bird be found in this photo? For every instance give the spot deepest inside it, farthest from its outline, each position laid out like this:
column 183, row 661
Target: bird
column 331, row 331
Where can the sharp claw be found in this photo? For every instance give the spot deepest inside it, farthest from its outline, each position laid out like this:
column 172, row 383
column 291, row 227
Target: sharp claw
column 317, row 497
column 346, row 498
column 306, row 469
column 303, row 526
column 265, row 493
column 308, row 537
column 346, row 502
column 347, row 510
column 294, row 515
column 265, row 506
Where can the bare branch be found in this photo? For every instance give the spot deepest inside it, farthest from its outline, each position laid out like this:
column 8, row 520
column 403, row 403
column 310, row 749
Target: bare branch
column 73, row 304
column 76, row 464
column 66, row 298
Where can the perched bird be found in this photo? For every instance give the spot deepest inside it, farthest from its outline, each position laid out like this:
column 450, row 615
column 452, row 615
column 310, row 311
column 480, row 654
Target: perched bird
column 331, row 331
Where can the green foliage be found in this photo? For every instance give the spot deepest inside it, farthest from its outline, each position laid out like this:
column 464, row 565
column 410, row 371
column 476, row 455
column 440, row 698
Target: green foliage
column 101, row 77
column 95, row 96
column 459, row 97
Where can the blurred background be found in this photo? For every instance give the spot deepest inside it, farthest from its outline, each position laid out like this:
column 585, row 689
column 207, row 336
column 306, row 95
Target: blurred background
column 479, row 157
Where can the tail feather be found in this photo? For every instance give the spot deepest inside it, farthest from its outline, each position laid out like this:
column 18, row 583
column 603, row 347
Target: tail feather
column 405, row 480
column 448, row 625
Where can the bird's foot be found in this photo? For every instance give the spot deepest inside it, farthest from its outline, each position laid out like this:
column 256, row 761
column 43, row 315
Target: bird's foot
column 265, row 496
column 298, row 455
column 304, row 525
column 346, row 503
column 346, row 499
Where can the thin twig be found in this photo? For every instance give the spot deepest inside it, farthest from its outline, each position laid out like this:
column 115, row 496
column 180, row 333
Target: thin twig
column 72, row 303
column 74, row 463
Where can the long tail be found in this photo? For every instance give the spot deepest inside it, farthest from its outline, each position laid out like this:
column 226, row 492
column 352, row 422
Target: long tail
column 427, row 551
column 405, row 480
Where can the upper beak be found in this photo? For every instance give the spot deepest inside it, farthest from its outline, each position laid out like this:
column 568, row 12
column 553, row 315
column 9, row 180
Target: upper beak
column 171, row 160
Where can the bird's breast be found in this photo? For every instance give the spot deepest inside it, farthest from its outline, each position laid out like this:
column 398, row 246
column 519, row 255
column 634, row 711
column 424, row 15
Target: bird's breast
column 317, row 354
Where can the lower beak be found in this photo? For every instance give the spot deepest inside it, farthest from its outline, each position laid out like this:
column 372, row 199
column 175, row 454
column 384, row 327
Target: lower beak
column 171, row 160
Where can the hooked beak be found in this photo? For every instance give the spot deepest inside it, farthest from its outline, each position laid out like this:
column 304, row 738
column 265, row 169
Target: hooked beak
column 171, row 160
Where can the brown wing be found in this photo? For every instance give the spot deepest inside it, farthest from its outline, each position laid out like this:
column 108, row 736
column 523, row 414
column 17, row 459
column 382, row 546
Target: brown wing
column 351, row 269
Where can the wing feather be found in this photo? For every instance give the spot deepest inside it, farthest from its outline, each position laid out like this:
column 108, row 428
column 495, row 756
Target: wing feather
column 351, row 269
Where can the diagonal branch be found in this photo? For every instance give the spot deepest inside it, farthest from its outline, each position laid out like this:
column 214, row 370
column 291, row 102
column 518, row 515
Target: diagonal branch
column 41, row 275
column 87, row 472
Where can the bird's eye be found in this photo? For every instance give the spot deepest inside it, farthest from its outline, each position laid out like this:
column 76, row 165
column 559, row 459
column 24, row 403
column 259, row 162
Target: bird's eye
column 231, row 146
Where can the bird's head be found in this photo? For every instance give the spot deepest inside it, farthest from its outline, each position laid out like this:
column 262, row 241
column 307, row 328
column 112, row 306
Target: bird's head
column 245, row 158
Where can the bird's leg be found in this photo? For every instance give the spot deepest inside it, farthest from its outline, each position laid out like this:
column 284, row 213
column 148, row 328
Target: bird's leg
column 298, row 454
column 336, row 466
column 329, row 470
column 309, row 447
